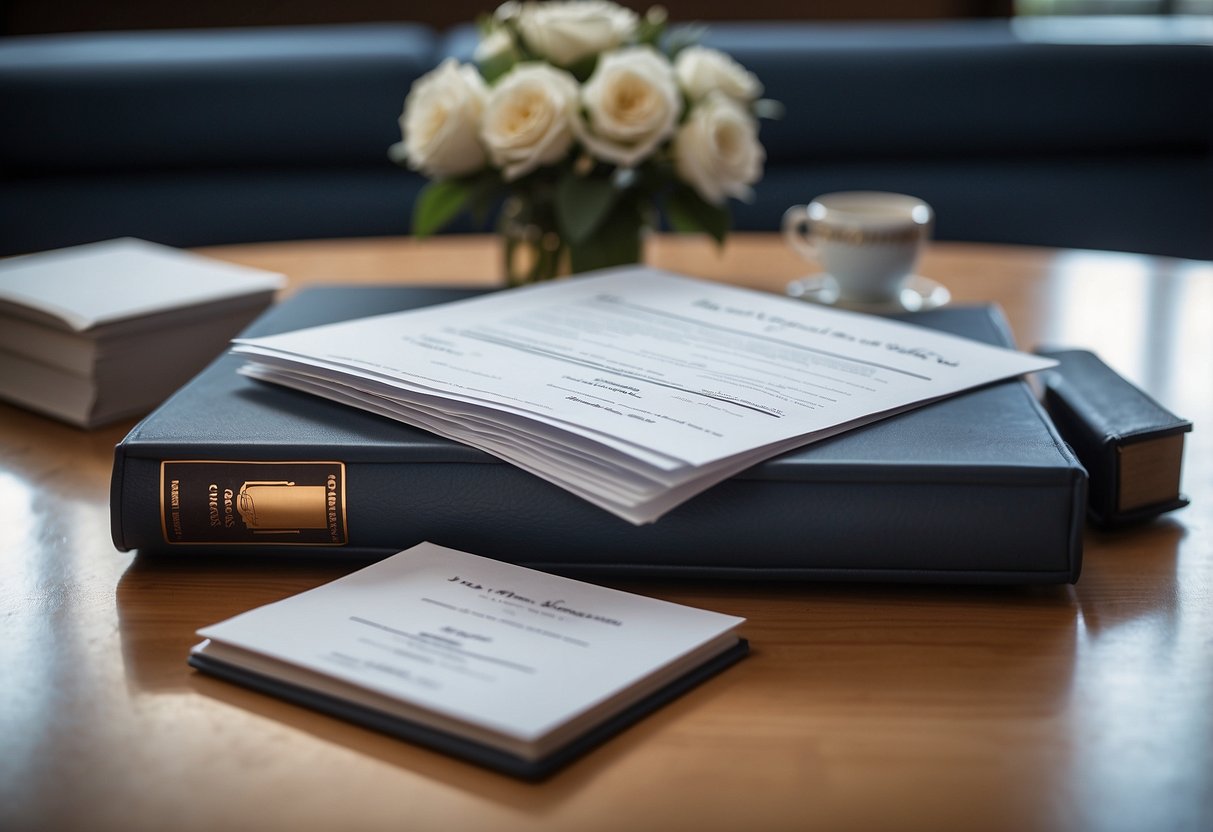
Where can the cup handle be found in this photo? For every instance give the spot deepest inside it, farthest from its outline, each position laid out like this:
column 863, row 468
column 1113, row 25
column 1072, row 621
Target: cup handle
column 796, row 230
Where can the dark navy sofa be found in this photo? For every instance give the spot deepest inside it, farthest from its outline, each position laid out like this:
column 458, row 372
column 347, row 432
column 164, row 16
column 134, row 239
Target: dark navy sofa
column 221, row 136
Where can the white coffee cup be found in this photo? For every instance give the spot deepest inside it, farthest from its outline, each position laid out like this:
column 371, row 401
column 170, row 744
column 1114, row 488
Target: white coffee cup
column 869, row 242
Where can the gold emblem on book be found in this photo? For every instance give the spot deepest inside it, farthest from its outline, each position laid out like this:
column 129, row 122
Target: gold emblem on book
column 282, row 506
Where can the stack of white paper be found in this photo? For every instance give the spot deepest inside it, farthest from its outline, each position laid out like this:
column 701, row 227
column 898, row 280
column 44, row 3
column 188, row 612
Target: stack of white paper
column 633, row 388
column 100, row 332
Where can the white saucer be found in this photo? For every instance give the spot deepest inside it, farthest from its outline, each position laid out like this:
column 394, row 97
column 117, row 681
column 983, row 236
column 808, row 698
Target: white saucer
column 918, row 295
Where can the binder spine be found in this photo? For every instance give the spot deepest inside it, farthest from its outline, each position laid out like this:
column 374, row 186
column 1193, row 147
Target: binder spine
column 978, row 489
column 751, row 529
column 224, row 502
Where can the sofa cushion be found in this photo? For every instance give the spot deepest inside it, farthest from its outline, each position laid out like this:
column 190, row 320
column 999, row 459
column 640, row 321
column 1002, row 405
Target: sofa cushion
column 311, row 96
column 964, row 88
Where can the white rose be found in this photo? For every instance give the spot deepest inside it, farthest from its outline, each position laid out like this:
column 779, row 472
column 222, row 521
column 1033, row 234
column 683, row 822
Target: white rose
column 528, row 120
column 716, row 151
column 441, row 120
column 701, row 70
column 565, row 31
column 632, row 104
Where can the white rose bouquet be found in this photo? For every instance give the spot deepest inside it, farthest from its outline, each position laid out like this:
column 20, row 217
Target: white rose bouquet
column 585, row 121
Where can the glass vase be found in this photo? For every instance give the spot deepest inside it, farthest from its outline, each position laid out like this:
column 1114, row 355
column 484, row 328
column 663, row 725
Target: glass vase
column 532, row 246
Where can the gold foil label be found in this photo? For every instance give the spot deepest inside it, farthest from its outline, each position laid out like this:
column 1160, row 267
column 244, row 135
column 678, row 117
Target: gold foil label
column 238, row 502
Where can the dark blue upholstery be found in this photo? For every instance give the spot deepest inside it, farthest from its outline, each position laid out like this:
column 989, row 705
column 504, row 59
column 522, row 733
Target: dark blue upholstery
column 1066, row 144
column 200, row 137
column 189, row 138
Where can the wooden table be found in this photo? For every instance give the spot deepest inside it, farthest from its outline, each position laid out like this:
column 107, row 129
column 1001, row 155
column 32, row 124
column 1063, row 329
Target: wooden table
column 862, row 707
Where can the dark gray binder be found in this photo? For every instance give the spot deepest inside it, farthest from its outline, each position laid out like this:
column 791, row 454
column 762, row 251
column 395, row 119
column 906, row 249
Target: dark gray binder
column 978, row 488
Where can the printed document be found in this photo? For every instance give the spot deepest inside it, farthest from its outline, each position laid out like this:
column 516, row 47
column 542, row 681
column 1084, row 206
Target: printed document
column 633, row 388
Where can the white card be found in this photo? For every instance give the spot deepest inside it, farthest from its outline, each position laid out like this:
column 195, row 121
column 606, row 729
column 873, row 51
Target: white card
column 494, row 652
column 99, row 283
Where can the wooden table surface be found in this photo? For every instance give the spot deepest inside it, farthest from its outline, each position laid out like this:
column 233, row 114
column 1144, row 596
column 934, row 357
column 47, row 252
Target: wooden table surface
column 861, row 708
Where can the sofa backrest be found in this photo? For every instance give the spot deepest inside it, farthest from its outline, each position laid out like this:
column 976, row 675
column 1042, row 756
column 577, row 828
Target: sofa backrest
column 1012, row 137
column 197, row 137
column 218, row 136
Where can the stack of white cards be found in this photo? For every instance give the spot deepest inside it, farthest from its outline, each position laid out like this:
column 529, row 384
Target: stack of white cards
column 99, row 332
column 632, row 388
column 506, row 666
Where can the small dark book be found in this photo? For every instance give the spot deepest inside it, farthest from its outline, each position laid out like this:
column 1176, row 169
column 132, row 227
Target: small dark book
column 1131, row 446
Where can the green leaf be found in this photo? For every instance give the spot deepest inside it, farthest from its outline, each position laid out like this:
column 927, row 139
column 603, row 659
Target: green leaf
column 491, row 69
column 616, row 242
column 484, row 193
column 437, row 204
column 650, row 31
column 583, row 68
column 689, row 213
column 583, row 203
